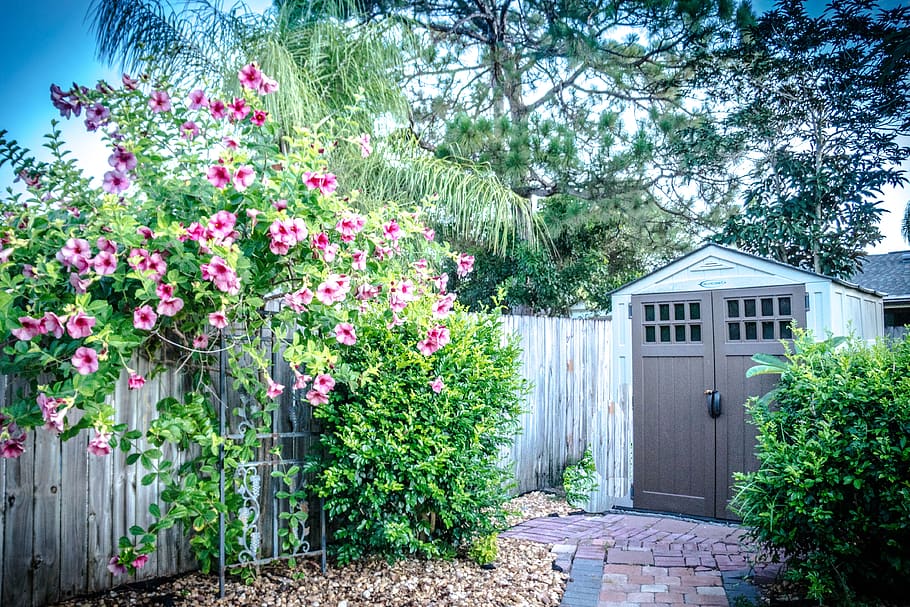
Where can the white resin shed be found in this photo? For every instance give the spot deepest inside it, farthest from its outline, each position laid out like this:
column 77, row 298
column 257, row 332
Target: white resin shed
column 683, row 338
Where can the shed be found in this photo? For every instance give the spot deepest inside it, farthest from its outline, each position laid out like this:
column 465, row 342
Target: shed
column 889, row 274
column 683, row 337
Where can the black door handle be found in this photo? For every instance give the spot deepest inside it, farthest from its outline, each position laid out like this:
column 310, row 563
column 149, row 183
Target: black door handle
column 712, row 397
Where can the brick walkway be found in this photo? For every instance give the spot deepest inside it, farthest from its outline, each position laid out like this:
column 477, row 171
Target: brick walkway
column 622, row 560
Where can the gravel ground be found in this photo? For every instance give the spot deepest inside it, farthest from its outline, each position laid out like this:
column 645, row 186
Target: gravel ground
column 523, row 576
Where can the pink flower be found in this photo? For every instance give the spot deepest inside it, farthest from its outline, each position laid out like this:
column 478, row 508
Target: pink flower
column 328, row 255
column 465, row 264
column 243, row 177
column 12, row 444
column 349, row 225
column 441, row 281
column 333, row 289
column 250, row 77
column 280, row 205
column 146, row 232
column 320, row 241
column 436, row 338
column 222, row 224
column 317, row 398
column 160, row 102
column 300, row 380
column 52, row 324
column 144, row 318
column 273, row 390
column 104, row 263
column 323, row 383
column 114, row 565
column 218, row 319
column 140, row 561
column 85, row 361
column 170, row 306
column 129, row 84
column 358, row 260
column 239, row 108
column 345, row 334
column 367, row 292
column 218, row 109
column 164, row 290
column 299, row 300
column 100, row 443
column 197, row 99
column 121, row 160
column 218, row 176
column 365, row 148
column 258, row 117
column 53, row 418
column 391, row 231
column 222, row 275
column 230, row 143
column 135, row 381
column 429, row 233
column 79, row 285
column 189, row 129
column 106, row 246
column 29, row 329
column 324, row 182
column 437, row 385
column 79, row 325
column 201, row 341
column 115, row 182
column 443, row 305
column 267, row 85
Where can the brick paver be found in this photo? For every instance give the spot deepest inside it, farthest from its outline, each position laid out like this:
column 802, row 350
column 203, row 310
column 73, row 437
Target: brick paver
column 629, row 560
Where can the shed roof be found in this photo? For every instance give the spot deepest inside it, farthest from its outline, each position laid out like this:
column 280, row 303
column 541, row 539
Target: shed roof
column 769, row 267
column 888, row 273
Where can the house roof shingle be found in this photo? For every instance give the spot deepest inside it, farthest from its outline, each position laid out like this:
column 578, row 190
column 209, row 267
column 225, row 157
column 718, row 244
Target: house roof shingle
column 888, row 273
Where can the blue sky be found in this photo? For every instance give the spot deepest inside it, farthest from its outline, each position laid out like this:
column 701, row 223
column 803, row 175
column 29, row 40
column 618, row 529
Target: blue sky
column 49, row 41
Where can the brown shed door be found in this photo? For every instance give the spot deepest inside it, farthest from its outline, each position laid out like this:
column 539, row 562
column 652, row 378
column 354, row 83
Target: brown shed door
column 684, row 345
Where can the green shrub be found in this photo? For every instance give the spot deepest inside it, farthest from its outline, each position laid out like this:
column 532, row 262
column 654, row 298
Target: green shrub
column 832, row 493
column 579, row 480
column 408, row 471
column 484, row 550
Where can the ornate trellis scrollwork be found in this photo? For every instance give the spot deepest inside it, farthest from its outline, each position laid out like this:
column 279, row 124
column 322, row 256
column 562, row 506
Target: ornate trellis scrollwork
column 274, row 510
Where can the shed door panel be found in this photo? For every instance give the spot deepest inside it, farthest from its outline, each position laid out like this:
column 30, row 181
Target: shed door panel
column 673, row 364
column 684, row 459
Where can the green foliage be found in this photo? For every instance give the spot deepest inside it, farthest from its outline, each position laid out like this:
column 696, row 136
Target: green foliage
column 484, row 550
column 820, row 108
column 406, row 470
column 832, row 493
column 580, row 479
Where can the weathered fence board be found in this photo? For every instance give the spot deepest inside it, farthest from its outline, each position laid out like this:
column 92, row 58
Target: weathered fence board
column 571, row 406
column 64, row 510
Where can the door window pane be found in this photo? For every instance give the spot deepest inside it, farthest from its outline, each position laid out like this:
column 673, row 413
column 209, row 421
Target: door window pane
column 665, row 333
column 650, row 334
column 748, row 307
column 767, row 330
column 680, row 333
column 694, row 311
column 751, row 330
column 785, row 331
column 733, row 308
column 695, row 333
column 649, row 313
column 679, row 311
column 665, row 311
column 767, row 307
column 783, row 306
column 733, row 331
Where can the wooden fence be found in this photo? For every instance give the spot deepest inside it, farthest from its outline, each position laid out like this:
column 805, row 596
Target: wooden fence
column 63, row 511
column 572, row 405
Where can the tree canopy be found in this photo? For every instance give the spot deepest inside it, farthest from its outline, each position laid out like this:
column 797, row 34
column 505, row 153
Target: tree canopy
column 819, row 105
column 574, row 105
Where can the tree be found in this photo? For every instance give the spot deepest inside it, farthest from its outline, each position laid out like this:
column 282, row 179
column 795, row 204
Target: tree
column 328, row 71
column 819, row 103
column 574, row 105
